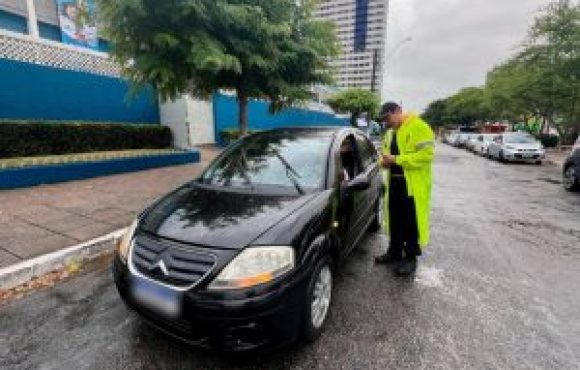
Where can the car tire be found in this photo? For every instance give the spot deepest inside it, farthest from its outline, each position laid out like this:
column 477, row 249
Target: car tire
column 501, row 158
column 318, row 299
column 571, row 179
column 539, row 163
column 377, row 223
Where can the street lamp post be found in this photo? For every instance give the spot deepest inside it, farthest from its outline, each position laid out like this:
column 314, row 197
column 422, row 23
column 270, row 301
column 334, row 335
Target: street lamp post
column 393, row 52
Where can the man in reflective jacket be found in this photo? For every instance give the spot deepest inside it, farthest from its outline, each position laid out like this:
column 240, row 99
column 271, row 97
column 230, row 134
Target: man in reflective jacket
column 406, row 155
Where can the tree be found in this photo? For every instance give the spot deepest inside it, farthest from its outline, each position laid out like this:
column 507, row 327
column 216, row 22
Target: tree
column 468, row 106
column 552, row 50
column 260, row 48
column 355, row 102
column 436, row 113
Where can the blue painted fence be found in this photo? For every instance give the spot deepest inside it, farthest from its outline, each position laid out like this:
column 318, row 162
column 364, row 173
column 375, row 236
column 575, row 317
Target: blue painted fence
column 30, row 91
column 259, row 118
column 49, row 174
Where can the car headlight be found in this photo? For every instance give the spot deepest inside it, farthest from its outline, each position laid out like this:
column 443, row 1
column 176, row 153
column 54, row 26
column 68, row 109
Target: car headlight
column 509, row 147
column 125, row 242
column 254, row 266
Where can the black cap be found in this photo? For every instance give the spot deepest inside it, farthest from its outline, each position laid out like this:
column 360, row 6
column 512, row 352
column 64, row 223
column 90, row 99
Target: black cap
column 389, row 108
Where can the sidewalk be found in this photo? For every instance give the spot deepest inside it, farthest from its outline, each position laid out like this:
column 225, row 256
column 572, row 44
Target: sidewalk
column 43, row 219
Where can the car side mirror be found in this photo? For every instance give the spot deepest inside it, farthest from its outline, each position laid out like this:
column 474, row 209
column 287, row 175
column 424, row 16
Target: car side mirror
column 359, row 183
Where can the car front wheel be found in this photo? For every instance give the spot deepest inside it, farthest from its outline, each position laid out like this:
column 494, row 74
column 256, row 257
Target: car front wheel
column 571, row 180
column 318, row 299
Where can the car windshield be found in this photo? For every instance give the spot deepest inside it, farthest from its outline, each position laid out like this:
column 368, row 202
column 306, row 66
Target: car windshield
column 519, row 139
column 283, row 159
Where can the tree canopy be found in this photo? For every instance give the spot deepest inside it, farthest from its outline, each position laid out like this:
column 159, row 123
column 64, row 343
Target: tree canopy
column 355, row 101
column 270, row 49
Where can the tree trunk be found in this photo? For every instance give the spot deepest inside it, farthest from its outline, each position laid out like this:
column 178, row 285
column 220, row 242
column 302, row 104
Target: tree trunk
column 353, row 117
column 243, row 117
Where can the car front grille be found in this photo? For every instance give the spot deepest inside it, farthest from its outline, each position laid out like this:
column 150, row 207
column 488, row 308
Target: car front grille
column 178, row 265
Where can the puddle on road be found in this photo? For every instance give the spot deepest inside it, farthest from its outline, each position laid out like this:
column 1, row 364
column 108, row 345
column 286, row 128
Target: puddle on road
column 430, row 277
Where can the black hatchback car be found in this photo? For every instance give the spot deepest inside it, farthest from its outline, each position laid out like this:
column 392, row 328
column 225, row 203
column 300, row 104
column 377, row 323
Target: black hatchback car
column 244, row 256
column 572, row 169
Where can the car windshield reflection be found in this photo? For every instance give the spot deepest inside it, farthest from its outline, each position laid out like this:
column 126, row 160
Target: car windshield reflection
column 272, row 160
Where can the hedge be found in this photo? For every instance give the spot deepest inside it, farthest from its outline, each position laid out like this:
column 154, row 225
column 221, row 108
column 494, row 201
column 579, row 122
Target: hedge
column 548, row 140
column 26, row 138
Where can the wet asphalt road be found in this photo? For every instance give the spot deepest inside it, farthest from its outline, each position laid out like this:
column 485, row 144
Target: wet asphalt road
column 498, row 288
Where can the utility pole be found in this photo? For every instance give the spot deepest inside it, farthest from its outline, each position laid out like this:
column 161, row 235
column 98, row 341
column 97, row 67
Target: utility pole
column 374, row 73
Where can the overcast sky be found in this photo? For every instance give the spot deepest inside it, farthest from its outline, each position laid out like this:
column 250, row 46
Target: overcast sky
column 455, row 42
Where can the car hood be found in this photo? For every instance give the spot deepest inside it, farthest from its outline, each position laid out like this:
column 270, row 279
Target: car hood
column 217, row 218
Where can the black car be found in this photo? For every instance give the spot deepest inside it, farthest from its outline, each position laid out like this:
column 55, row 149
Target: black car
column 244, row 256
column 572, row 169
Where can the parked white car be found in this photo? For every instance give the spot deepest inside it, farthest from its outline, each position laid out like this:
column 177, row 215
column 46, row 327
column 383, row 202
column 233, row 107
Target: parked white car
column 450, row 137
column 516, row 147
column 481, row 145
column 461, row 139
column 470, row 142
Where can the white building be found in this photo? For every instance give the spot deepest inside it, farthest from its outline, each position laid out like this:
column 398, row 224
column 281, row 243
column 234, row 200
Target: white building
column 361, row 30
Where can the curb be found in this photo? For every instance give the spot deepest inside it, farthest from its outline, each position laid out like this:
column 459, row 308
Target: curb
column 24, row 271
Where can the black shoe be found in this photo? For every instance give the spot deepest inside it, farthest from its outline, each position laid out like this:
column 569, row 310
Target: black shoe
column 407, row 267
column 388, row 258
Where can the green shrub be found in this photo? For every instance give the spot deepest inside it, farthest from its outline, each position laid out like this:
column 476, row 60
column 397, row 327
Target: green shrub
column 30, row 138
column 547, row 140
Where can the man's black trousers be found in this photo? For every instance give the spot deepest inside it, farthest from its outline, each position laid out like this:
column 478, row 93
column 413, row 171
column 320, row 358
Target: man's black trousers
column 402, row 220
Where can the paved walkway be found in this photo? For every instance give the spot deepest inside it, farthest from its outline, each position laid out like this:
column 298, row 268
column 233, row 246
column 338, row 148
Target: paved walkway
column 42, row 219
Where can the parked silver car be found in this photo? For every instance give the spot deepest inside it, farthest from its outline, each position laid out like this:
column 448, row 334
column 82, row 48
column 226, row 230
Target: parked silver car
column 481, row 145
column 516, row 147
column 461, row 140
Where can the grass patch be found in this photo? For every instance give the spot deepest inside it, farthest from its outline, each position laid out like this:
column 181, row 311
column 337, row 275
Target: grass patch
column 21, row 162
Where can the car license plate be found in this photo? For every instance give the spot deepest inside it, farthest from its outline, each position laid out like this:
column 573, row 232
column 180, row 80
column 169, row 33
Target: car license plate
column 156, row 297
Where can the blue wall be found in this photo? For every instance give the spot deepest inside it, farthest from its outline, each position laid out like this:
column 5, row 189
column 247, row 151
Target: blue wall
column 49, row 174
column 259, row 118
column 30, row 91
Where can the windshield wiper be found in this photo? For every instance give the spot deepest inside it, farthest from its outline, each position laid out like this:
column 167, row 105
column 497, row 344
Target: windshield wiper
column 290, row 173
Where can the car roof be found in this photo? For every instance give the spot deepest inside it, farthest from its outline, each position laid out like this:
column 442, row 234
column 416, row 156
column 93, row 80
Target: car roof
column 308, row 131
column 328, row 130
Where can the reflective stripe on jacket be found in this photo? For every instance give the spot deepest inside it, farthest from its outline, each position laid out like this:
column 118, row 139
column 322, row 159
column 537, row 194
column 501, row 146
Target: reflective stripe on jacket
column 416, row 144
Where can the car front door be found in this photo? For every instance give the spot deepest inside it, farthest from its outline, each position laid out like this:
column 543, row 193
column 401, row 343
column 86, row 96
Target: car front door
column 368, row 164
column 349, row 201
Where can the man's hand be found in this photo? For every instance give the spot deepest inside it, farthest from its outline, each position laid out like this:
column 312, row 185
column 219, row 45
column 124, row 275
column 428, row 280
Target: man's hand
column 388, row 160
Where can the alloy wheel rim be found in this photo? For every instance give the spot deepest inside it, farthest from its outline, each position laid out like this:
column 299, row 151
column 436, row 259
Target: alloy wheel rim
column 321, row 297
column 570, row 177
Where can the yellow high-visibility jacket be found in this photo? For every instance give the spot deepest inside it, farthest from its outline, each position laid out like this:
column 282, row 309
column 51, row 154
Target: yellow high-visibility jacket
column 416, row 143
